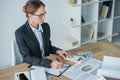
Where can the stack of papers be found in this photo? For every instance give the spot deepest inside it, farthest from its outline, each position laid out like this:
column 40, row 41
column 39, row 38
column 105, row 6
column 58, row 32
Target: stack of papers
column 110, row 67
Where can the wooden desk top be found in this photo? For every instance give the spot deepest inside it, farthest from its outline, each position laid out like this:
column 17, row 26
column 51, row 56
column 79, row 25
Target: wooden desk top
column 99, row 49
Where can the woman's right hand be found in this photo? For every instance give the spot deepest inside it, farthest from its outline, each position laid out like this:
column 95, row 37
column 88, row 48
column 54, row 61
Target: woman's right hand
column 56, row 64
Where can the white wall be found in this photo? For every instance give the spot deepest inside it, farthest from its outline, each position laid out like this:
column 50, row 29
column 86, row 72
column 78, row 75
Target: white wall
column 11, row 17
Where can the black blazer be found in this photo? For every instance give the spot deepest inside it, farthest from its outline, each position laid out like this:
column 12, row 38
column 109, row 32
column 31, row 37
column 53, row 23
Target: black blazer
column 29, row 46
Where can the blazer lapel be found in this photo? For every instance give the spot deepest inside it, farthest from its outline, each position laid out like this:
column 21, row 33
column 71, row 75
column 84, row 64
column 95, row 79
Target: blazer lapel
column 31, row 34
column 43, row 36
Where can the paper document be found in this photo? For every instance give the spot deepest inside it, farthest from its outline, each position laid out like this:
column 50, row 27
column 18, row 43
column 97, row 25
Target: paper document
column 80, row 57
column 89, row 66
column 38, row 74
column 88, row 76
column 55, row 72
column 48, row 77
column 110, row 67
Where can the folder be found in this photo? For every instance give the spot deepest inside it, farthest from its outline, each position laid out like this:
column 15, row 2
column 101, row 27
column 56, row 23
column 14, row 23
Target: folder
column 52, row 71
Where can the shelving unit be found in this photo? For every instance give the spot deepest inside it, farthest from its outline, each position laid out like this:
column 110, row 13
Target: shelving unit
column 92, row 27
column 116, row 23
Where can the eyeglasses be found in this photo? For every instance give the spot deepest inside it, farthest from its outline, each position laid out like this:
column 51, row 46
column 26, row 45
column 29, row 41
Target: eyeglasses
column 41, row 15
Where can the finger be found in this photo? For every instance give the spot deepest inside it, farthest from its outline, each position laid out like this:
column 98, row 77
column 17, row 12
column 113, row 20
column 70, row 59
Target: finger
column 66, row 54
column 62, row 56
column 60, row 65
column 69, row 54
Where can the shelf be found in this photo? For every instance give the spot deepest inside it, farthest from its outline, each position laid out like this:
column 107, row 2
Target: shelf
column 115, row 34
column 116, row 17
column 88, row 42
column 116, row 25
column 116, row 39
column 89, row 13
column 104, row 29
column 106, row 9
column 116, row 8
column 88, row 33
column 73, row 5
column 68, row 46
column 100, row 1
column 106, row 19
column 90, row 3
column 104, row 37
column 87, row 22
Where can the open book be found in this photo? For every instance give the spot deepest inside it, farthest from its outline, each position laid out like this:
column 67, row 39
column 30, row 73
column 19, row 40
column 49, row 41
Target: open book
column 38, row 74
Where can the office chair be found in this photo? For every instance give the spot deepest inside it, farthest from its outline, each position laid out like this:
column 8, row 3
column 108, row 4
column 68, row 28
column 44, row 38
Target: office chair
column 16, row 56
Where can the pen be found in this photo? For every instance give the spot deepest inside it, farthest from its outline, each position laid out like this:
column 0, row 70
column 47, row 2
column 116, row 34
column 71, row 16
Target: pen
column 57, row 59
column 79, row 59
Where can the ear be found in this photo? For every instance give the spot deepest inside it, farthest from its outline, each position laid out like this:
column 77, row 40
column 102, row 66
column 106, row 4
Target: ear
column 29, row 15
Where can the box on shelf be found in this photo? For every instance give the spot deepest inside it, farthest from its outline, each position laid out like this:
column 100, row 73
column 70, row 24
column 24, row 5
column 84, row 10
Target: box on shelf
column 72, row 1
column 100, row 34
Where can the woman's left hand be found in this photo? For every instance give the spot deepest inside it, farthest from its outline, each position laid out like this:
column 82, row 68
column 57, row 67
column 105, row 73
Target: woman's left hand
column 64, row 54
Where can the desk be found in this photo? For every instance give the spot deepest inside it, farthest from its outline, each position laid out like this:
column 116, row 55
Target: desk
column 99, row 49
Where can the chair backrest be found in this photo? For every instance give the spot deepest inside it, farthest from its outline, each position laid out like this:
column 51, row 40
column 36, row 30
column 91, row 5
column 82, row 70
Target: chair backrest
column 16, row 56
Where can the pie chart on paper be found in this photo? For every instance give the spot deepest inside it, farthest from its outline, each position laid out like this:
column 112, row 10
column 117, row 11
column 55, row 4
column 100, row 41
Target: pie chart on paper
column 86, row 68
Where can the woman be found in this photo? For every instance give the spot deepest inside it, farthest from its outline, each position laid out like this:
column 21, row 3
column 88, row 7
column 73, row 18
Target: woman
column 33, row 37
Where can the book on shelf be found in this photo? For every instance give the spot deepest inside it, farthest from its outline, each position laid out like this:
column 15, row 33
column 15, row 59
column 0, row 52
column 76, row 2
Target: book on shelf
column 90, row 32
column 109, row 3
column 106, row 9
column 71, row 40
